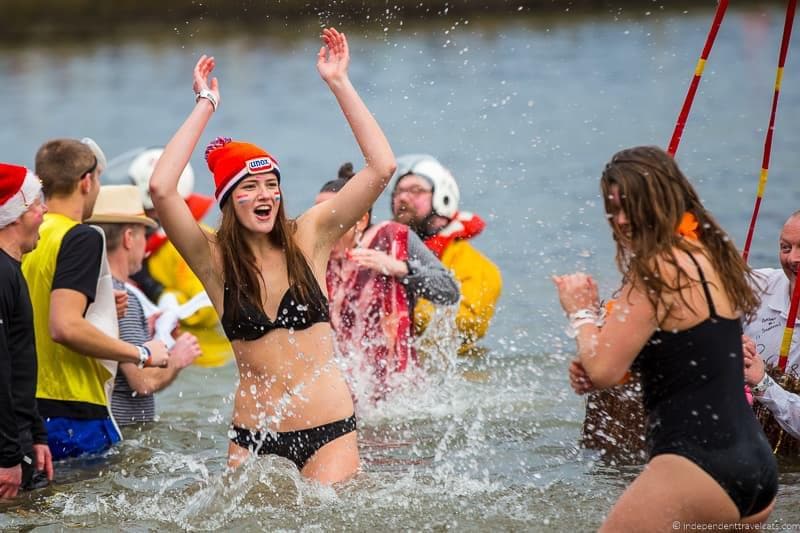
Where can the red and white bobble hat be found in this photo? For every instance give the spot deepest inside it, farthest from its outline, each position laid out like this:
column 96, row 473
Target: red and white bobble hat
column 19, row 187
column 232, row 161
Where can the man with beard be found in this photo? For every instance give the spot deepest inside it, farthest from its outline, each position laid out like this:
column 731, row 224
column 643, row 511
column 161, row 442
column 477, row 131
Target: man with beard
column 426, row 197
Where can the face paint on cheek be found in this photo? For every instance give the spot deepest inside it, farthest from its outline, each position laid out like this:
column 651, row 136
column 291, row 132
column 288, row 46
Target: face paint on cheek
column 242, row 198
column 277, row 197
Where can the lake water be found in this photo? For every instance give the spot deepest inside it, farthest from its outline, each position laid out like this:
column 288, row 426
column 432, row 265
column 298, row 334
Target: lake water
column 525, row 112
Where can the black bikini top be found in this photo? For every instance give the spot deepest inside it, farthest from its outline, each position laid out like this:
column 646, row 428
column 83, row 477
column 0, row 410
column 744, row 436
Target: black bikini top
column 253, row 323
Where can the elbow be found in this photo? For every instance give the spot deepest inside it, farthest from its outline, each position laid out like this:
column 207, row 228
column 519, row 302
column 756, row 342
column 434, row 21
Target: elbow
column 391, row 168
column 139, row 382
column 386, row 169
column 142, row 389
column 157, row 192
column 605, row 378
column 60, row 331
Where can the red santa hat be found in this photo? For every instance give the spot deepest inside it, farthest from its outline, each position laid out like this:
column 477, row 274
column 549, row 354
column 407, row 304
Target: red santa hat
column 19, row 187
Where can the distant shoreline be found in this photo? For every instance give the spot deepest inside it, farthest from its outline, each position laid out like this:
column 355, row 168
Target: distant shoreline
column 26, row 21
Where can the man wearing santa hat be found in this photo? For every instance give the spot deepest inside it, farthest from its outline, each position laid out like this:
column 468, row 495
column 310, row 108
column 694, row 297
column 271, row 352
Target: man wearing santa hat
column 25, row 460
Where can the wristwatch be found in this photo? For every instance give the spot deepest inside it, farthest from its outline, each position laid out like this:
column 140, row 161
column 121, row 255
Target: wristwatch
column 761, row 387
column 144, row 355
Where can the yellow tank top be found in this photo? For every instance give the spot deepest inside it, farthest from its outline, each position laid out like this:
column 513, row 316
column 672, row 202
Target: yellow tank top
column 63, row 375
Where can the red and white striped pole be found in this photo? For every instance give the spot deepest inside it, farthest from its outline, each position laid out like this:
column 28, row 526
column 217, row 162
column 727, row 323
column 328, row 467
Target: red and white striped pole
column 762, row 182
column 698, row 73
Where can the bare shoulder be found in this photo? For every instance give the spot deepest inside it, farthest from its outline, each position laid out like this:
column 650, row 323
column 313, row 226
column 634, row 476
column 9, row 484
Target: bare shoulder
column 682, row 265
column 693, row 279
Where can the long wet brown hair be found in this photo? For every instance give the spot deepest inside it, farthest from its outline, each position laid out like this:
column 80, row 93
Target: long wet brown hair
column 240, row 271
column 654, row 194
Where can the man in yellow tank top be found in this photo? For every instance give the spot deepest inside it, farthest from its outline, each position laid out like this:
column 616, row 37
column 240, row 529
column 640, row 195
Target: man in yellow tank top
column 64, row 276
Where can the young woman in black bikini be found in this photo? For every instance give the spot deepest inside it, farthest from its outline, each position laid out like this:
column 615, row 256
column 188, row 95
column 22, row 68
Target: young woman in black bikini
column 264, row 275
column 677, row 321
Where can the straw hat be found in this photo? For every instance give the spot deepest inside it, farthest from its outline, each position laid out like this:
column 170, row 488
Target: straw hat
column 120, row 204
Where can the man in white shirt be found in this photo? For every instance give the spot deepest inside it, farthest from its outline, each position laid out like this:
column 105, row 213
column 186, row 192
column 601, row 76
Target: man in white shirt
column 764, row 333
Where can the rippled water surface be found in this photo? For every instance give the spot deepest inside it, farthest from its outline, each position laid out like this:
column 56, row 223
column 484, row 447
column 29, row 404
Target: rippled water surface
column 526, row 112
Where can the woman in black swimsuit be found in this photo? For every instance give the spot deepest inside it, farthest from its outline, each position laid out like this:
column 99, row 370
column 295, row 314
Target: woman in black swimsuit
column 677, row 321
column 264, row 274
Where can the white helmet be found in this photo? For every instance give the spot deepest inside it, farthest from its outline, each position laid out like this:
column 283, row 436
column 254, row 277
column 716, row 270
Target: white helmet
column 136, row 166
column 445, row 189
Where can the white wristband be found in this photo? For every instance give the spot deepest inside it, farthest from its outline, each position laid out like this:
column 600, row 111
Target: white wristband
column 582, row 313
column 144, row 355
column 572, row 329
column 208, row 95
column 761, row 387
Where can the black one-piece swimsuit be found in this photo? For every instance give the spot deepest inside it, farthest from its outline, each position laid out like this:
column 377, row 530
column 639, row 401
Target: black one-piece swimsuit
column 693, row 388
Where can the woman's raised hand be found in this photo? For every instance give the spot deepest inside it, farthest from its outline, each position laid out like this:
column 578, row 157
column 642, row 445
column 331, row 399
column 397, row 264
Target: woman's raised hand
column 334, row 57
column 205, row 65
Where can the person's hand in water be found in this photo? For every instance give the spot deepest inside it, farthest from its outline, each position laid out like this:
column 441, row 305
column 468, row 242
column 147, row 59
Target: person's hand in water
column 205, row 65
column 379, row 261
column 10, row 480
column 334, row 57
column 44, row 459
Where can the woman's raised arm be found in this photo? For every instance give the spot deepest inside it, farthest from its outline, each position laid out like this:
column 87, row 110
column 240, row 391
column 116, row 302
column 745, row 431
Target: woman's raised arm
column 335, row 216
column 185, row 233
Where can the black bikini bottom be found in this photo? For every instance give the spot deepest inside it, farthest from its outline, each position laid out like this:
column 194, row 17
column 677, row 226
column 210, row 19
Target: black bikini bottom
column 297, row 446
